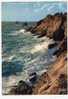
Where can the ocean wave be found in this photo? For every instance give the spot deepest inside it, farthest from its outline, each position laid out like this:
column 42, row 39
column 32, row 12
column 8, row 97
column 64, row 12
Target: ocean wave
column 8, row 58
column 19, row 32
column 31, row 55
column 40, row 47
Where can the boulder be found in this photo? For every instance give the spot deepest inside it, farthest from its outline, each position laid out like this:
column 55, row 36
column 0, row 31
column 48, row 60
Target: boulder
column 33, row 77
column 21, row 89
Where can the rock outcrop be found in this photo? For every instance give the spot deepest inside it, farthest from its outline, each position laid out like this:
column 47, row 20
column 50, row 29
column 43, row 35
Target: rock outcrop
column 52, row 24
column 55, row 80
column 21, row 89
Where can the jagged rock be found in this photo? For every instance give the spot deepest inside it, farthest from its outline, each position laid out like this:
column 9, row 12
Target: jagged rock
column 62, row 47
column 33, row 77
column 52, row 45
column 21, row 89
column 58, row 35
column 51, row 26
column 63, row 81
column 54, row 81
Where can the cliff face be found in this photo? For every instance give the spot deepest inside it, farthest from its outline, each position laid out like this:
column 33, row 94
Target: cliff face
column 54, row 81
column 51, row 24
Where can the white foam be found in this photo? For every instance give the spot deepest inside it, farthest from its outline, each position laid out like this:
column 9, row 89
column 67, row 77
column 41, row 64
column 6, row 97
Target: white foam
column 40, row 47
column 9, row 82
column 8, row 59
column 18, row 32
column 22, row 31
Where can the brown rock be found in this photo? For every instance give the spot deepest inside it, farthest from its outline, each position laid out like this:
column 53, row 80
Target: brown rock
column 51, row 24
column 54, row 81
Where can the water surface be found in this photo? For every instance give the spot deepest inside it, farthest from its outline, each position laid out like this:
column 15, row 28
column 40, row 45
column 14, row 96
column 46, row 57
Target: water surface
column 23, row 53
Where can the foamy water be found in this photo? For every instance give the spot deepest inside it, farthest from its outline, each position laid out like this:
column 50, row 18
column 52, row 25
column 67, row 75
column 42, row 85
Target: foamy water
column 27, row 52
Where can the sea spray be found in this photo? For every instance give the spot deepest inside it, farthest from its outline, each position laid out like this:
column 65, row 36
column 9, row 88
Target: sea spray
column 23, row 50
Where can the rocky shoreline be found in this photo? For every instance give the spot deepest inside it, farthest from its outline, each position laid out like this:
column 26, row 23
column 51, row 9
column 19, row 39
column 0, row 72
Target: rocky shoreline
column 54, row 81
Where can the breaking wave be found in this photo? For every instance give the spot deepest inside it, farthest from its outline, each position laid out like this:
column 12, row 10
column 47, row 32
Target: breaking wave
column 22, row 54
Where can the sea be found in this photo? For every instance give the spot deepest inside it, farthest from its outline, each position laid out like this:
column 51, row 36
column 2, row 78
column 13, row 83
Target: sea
column 23, row 53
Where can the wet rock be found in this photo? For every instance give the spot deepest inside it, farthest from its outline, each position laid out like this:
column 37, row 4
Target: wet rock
column 44, row 32
column 55, row 80
column 62, row 92
column 57, row 52
column 62, row 46
column 33, row 77
column 58, row 35
column 63, row 81
column 52, row 45
column 21, row 89
column 13, row 90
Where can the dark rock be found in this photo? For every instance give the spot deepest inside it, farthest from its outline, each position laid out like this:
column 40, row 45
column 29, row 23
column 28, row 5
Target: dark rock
column 62, row 47
column 13, row 90
column 63, row 92
column 43, row 33
column 58, row 35
column 29, row 29
column 33, row 77
column 56, row 52
column 21, row 89
column 17, row 22
column 63, row 81
column 25, row 23
column 52, row 45
column 31, row 74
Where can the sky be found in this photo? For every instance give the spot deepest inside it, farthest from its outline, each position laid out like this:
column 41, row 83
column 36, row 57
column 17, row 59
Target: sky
column 30, row 11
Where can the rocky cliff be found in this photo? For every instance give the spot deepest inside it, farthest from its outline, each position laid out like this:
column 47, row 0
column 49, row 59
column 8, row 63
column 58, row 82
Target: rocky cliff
column 55, row 80
column 51, row 24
